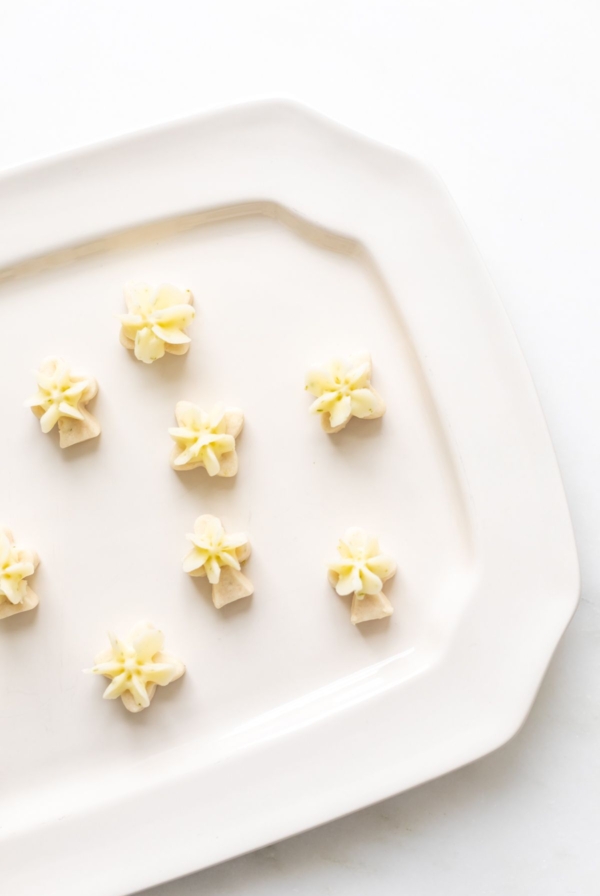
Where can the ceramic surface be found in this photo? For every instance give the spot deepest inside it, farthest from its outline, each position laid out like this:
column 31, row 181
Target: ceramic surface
column 300, row 241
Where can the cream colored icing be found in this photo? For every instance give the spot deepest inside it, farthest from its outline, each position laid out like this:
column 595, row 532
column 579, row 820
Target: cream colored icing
column 343, row 390
column 136, row 666
column 361, row 569
column 206, row 439
column 213, row 548
column 156, row 319
column 218, row 555
column 16, row 565
column 61, row 394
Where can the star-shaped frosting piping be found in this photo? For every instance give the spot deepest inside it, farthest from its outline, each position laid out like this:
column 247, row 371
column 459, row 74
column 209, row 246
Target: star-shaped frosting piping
column 218, row 555
column 206, row 439
column 343, row 390
column 61, row 398
column 156, row 319
column 136, row 666
column 361, row 569
column 16, row 565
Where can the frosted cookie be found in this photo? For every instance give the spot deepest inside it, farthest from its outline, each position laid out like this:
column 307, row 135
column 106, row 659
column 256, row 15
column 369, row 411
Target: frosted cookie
column 206, row 439
column 156, row 319
column 61, row 399
column 136, row 667
column 343, row 390
column 16, row 565
column 218, row 556
column 361, row 569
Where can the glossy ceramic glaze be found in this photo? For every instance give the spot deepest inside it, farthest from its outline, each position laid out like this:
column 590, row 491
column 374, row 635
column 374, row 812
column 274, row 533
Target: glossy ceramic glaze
column 300, row 241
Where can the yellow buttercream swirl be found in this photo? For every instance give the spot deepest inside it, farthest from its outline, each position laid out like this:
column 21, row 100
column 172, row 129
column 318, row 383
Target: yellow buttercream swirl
column 343, row 390
column 206, row 439
column 60, row 393
column 213, row 548
column 156, row 320
column 360, row 568
column 16, row 564
column 135, row 666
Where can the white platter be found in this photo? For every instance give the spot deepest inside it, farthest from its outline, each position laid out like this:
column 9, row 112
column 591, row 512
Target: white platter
column 300, row 240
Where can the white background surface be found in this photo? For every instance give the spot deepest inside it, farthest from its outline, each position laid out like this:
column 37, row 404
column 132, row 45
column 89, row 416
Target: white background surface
column 502, row 97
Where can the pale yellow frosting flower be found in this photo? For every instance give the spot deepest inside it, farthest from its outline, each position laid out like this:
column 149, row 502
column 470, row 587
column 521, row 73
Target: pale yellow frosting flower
column 16, row 565
column 136, row 667
column 156, row 320
column 213, row 549
column 61, row 398
column 343, row 390
column 206, row 439
column 361, row 569
column 218, row 555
